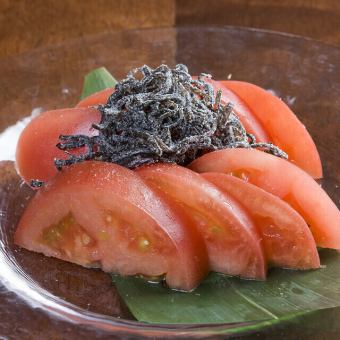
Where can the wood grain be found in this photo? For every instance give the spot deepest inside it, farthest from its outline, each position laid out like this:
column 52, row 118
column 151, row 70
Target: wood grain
column 28, row 24
column 318, row 19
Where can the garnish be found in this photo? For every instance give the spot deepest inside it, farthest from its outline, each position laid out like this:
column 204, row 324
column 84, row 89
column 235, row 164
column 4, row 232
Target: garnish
column 223, row 299
column 35, row 183
column 161, row 115
column 96, row 80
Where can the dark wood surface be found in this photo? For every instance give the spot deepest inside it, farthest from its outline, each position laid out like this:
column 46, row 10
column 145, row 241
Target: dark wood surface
column 318, row 19
column 29, row 24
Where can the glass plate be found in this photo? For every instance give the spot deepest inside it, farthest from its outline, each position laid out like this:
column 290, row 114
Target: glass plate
column 42, row 296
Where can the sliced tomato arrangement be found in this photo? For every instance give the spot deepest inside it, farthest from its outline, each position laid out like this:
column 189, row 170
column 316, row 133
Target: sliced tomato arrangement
column 234, row 211
column 283, row 179
column 232, row 240
column 270, row 119
column 36, row 149
column 287, row 240
column 126, row 227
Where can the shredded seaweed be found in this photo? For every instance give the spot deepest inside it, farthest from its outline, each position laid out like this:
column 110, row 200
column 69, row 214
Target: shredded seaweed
column 161, row 115
column 35, row 183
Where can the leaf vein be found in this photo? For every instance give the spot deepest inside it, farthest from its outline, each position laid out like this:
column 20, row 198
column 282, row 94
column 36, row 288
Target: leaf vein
column 252, row 302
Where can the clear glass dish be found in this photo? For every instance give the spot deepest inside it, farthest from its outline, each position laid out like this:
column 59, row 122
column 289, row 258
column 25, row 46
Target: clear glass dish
column 44, row 296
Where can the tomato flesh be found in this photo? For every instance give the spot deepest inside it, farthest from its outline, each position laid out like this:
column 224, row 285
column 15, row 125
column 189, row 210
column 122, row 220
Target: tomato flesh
column 233, row 244
column 287, row 240
column 284, row 129
column 283, row 179
column 36, row 149
column 100, row 97
column 97, row 213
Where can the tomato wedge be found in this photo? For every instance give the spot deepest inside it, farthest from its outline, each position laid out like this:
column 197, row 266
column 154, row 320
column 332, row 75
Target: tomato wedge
column 233, row 244
column 36, row 149
column 282, row 126
column 97, row 98
column 287, row 240
column 283, row 179
column 101, row 213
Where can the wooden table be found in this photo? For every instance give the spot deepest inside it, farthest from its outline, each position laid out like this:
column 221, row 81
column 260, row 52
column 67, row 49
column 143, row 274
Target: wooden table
column 28, row 24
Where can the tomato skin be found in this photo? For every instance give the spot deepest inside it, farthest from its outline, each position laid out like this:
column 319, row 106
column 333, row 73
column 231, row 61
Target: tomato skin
column 282, row 126
column 36, row 149
column 283, row 179
column 108, row 200
column 287, row 240
column 233, row 244
column 100, row 97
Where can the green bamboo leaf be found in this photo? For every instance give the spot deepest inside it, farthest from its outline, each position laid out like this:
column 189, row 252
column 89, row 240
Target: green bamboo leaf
column 221, row 299
column 97, row 80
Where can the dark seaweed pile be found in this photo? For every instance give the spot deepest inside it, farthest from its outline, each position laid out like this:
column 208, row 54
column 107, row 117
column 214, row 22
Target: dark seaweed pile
column 162, row 115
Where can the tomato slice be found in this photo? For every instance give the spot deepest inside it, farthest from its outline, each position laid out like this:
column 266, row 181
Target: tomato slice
column 287, row 240
column 283, row 179
column 36, row 149
column 233, row 244
column 100, row 97
column 282, row 126
column 97, row 213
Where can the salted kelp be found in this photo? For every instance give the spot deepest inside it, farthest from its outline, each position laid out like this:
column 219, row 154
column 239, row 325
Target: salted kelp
column 161, row 115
